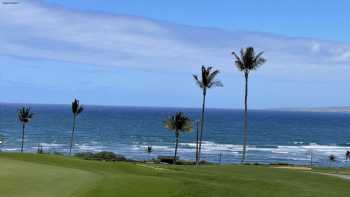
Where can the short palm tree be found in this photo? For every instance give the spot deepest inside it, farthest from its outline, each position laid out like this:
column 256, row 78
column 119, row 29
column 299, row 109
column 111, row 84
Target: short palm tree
column 24, row 116
column 178, row 123
column 247, row 61
column 76, row 110
column 206, row 82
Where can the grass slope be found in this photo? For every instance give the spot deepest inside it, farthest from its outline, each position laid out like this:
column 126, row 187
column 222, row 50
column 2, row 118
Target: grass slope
column 344, row 171
column 44, row 175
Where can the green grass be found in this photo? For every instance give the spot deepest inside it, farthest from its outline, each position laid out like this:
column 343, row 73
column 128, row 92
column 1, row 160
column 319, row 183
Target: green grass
column 33, row 175
column 344, row 171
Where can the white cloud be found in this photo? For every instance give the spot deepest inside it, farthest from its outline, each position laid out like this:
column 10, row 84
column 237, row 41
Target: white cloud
column 315, row 46
column 32, row 29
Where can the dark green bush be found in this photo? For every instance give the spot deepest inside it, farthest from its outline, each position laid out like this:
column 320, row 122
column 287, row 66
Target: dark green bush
column 101, row 156
column 57, row 153
column 85, row 155
column 184, row 162
column 109, row 156
column 281, row 164
column 167, row 159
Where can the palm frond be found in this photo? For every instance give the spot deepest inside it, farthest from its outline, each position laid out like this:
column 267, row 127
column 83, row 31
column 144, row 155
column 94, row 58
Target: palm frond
column 76, row 107
column 204, row 76
column 188, row 126
column 169, row 123
column 259, row 60
column 209, row 68
column 81, row 109
column 216, row 84
column 212, row 75
column 238, row 61
column 198, row 82
column 30, row 115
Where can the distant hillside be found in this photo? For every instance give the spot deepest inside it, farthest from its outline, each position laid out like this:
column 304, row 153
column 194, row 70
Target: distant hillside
column 317, row 109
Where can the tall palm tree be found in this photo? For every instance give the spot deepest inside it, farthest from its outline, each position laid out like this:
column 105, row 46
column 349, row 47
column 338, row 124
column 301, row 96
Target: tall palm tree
column 247, row 61
column 206, row 82
column 178, row 123
column 76, row 110
column 24, row 116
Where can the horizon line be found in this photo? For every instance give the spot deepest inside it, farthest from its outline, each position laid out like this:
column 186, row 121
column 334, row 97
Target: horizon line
column 136, row 106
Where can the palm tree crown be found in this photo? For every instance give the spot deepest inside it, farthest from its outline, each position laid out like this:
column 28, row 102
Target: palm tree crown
column 76, row 107
column 247, row 60
column 25, row 115
column 207, row 80
column 178, row 123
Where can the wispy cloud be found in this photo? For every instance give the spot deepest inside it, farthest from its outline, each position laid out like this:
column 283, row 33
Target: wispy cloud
column 32, row 29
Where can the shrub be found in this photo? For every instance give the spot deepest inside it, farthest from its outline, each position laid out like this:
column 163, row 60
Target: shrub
column 85, row 155
column 57, row 153
column 101, row 156
column 281, row 164
column 109, row 156
column 204, row 162
column 167, row 159
column 184, row 162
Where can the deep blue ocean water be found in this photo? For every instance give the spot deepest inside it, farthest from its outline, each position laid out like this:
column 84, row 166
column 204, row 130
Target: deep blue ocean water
column 274, row 136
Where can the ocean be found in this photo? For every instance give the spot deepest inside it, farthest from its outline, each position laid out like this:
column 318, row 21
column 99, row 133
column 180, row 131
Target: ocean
column 274, row 136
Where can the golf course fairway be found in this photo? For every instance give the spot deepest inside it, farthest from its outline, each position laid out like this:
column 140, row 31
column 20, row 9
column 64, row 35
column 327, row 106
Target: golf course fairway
column 35, row 175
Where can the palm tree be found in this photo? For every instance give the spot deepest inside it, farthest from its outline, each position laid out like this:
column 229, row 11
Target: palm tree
column 206, row 82
column 178, row 123
column 24, row 116
column 246, row 62
column 76, row 110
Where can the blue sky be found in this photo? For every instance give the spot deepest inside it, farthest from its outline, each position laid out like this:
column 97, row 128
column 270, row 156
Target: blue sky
column 312, row 18
column 144, row 52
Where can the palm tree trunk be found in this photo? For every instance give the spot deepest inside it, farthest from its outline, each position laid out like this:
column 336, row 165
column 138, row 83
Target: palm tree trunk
column 72, row 136
column 245, row 132
column 202, row 127
column 176, row 146
column 197, row 140
column 23, row 126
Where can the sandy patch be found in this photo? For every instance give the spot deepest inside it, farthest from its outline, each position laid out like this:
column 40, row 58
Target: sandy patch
column 152, row 167
column 293, row 168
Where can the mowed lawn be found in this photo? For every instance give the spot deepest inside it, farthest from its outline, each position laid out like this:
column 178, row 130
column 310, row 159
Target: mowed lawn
column 34, row 175
column 344, row 171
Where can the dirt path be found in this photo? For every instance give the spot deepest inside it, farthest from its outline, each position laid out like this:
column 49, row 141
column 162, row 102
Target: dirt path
column 342, row 176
